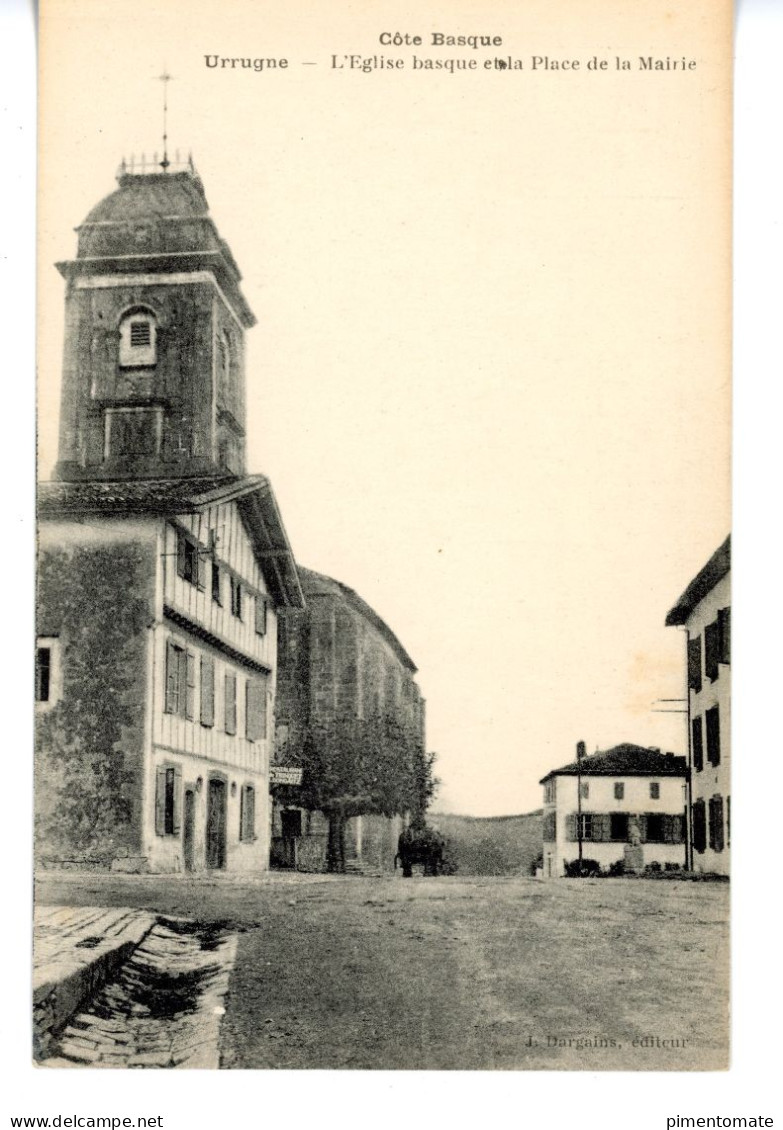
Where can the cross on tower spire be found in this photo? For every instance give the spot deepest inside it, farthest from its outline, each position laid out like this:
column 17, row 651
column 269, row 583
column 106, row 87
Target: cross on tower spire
column 165, row 78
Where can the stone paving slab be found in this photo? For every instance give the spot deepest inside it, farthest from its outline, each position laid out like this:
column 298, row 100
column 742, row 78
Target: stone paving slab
column 75, row 951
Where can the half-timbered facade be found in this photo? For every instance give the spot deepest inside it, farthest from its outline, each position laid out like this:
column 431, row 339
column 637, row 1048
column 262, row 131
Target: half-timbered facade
column 162, row 565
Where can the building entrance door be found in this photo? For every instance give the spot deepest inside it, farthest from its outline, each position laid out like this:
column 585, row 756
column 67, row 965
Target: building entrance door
column 188, row 824
column 216, row 823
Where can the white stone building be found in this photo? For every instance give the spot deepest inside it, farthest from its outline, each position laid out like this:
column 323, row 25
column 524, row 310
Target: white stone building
column 611, row 799
column 704, row 611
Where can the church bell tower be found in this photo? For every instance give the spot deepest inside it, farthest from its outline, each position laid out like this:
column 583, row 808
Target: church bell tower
column 154, row 357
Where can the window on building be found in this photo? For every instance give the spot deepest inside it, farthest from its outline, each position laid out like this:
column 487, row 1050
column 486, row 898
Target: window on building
column 618, row 826
column 230, row 700
column 716, row 823
column 255, row 709
column 247, row 814
column 549, row 827
column 699, row 829
column 698, row 744
column 584, row 790
column 712, row 721
column 180, row 680
column 168, row 800
column 207, row 691
column 728, row 821
column 585, row 825
column 655, row 790
column 260, row 614
column 549, row 791
column 654, row 828
column 216, row 583
column 190, row 560
column 138, row 339
column 236, row 597
column 694, row 663
column 619, row 790
column 724, row 628
column 712, row 651
column 46, row 672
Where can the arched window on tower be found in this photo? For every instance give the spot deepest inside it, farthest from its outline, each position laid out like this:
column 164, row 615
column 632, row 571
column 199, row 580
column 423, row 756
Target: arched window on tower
column 138, row 339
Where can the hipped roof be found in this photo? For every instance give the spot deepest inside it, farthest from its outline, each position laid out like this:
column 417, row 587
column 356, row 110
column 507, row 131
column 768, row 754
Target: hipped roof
column 624, row 760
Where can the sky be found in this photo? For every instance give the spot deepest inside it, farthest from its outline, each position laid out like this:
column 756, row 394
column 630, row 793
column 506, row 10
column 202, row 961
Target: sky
column 490, row 376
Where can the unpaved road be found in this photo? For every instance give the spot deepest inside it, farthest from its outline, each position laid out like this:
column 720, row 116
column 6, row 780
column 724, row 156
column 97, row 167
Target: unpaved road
column 456, row 973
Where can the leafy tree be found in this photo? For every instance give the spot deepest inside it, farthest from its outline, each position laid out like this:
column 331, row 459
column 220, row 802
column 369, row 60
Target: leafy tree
column 353, row 766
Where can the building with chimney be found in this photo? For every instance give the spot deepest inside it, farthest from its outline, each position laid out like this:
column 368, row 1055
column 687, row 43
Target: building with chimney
column 704, row 612
column 163, row 564
column 612, row 800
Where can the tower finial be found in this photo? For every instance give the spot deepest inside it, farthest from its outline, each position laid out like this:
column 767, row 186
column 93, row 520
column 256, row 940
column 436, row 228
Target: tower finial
column 165, row 78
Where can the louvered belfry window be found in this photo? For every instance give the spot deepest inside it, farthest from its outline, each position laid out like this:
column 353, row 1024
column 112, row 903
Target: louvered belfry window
column 140, row 334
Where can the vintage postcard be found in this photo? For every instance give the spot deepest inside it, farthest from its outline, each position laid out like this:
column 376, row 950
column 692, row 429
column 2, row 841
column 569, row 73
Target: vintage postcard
column 383, row 651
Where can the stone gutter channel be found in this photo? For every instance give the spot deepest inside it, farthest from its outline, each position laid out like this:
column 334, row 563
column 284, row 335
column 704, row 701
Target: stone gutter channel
column 123, row 988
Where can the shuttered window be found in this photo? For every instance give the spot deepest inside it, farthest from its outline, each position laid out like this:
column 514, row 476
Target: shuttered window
column 168, row 800
column 712, row 721
column 712, row 651
column 652, row 828
column 173, row 669
column 716, row 823
column 655, row 790
column 207, row 691
column 698, row 745
column 231, row 703
column 699, row 826
column 236, row 597
column 694, row 663
column 191, row 560
column 619, row 826
column 216, row 596
column 724, row 629
column 255, row 709
column 619, row 790
column 586, row 823
column 260, row 615
column 247, row 813
column 43, row 674
column 180, row 681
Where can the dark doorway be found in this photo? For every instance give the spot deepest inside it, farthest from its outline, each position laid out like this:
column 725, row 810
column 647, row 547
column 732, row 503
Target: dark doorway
column 216, row 823
column 188, row 825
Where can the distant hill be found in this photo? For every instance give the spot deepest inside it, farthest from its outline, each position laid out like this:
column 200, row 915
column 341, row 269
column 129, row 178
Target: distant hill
column 491, row 845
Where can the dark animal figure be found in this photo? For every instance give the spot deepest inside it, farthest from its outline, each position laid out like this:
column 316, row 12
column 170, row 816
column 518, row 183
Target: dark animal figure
column 420, row 845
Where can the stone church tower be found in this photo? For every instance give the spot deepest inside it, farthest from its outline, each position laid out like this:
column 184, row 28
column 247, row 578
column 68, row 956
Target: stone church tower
column 162, row 564
column 154, row 365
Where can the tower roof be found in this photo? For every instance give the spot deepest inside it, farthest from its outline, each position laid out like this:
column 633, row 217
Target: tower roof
column 156, row 222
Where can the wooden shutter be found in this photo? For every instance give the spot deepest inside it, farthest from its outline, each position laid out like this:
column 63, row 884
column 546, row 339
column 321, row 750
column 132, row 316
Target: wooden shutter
column 694, row 663
column 176, row 824
column 160, row 802
column 698, row 745
column 641, row 820
column 182, row 554
column 256, row 723
column 231, row 703
column 203, row 563
column 172, row 677
column 247, row 819
column 207, row 691
column 711, row 650
column 571, row 827
column 712, row 720
column 260, row 614
column 724, row 631
column 699, row 826
column 190, row 685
